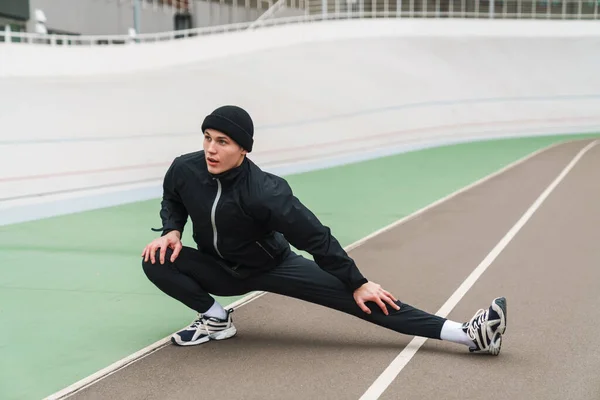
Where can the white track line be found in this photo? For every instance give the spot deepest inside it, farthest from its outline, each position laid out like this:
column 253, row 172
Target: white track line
column 117, row 365
column 390, row 373
column 146, row 351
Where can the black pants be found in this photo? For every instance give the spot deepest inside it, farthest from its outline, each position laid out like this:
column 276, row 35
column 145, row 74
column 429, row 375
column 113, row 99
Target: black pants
column 194, row 275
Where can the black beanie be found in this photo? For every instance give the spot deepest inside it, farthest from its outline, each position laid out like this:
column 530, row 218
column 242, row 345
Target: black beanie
column 233, row 121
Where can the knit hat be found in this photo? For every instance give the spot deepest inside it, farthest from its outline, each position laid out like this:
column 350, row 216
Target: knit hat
column 233, row 121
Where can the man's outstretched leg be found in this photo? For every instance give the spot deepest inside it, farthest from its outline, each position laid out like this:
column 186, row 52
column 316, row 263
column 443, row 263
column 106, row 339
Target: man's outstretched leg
column 301, row 278
column 190, row 279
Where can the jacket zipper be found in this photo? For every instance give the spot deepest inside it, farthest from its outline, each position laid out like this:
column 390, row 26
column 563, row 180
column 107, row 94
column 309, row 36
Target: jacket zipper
column 212, row 218
column 261, row 246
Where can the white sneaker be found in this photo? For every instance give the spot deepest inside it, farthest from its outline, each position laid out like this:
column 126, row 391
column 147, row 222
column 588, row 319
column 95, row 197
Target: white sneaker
column 204, row 329
column 486, row 328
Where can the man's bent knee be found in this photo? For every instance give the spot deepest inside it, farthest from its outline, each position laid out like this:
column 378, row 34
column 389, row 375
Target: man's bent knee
column 149, row 265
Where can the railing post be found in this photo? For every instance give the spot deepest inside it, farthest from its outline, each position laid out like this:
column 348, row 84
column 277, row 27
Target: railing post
column 136, row 16
column 7, row 36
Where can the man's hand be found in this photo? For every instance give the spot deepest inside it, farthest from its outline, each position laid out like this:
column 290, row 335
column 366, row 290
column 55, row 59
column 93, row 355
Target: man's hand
column 171, row 239
column 371, row 291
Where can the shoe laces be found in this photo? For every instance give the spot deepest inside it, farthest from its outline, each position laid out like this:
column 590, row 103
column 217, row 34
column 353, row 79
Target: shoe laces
column 200, row 324
column 201, row 321
column 196, row 323
column 476, row 322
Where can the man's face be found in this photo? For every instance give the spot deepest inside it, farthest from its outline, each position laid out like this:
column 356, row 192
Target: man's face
column 222, row 153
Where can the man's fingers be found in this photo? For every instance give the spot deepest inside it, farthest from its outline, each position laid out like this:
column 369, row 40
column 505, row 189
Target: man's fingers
column 391, row 296
column 362, row 306
column 176, row 251
column 147, row 252
column 382, row 306
column 152, row 251
column 391, row 301
column 163, row 251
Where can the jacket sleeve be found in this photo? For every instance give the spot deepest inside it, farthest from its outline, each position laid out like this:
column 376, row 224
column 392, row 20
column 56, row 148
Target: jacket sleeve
column 279, row 210
column 173, row 213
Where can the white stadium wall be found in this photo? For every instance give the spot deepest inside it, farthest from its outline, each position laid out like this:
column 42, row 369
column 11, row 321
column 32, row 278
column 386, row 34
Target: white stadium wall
column 114, row 117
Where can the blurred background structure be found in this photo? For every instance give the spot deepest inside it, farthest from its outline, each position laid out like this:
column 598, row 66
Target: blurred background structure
column 113, row 17
column 19, row 19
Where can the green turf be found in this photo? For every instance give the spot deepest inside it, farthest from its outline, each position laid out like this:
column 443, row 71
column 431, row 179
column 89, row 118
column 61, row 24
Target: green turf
column 73, row 296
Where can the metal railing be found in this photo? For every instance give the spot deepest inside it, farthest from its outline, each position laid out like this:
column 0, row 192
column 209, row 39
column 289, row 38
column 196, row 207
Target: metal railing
column 268, row 14
column 499, row 9
column 318, row 10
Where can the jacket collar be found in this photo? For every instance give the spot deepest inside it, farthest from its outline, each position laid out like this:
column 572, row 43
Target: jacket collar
column 231, row 175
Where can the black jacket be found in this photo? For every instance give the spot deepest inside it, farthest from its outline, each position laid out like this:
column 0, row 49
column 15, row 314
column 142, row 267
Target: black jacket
column 247, row 218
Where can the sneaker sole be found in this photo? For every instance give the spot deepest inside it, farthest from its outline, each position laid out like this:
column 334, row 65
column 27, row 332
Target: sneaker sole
column 221, row 335
column 499, row 305
column 495, row 344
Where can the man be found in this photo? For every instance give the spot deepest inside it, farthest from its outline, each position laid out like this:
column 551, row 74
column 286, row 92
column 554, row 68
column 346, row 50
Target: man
column 244, row 221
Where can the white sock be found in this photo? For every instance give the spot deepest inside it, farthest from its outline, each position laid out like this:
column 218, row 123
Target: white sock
column 452, row 332
column 216, row 311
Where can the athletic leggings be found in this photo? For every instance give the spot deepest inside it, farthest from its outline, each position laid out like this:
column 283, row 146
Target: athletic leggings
column 194, row 275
